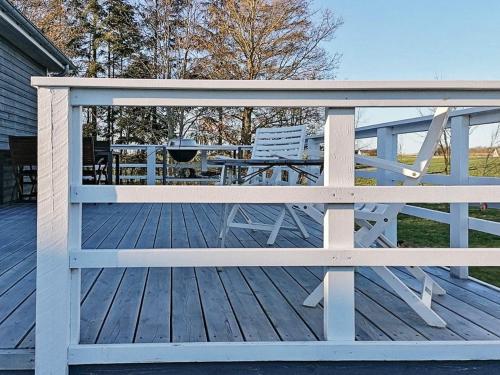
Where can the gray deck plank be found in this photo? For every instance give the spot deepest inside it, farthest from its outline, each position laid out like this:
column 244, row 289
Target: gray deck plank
column 187, row 316
column 163, row 237
column 10, row 300
column 97, row 304
column 148, row 234
column 467, row 284
column 254, row 323
column 219, row 317
column 287, row 322
column 17, row 256
column 120, row 323
column 17, row 272
column 155, row 315
column 295, row 295
column 14, row 329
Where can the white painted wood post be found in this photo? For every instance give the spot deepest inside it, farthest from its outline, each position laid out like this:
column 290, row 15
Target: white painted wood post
column 339, row 224
column 151, row 165
column 75, row 219
column 387, row 148
column 54, row 279
column 204, row 160
column 459, row 212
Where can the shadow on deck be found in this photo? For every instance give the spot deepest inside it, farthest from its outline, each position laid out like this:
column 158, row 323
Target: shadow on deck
column 209, row 304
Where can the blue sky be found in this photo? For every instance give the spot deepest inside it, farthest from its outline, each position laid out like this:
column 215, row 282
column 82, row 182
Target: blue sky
column 421, row 39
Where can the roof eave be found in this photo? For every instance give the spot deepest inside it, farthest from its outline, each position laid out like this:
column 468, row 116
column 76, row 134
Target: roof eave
column 20, row 32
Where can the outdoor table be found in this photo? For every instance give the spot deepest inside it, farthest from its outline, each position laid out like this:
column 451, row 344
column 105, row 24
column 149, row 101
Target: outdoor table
column 263, row 165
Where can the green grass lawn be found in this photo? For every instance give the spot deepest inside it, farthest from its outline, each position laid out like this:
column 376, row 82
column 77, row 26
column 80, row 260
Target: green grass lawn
column 416, row 232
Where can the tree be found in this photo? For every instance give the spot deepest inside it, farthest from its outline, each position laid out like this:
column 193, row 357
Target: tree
column 265, row 39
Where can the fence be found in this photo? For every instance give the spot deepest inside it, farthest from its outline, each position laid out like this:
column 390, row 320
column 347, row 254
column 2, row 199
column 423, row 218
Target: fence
column 60, row 257
column 387, row 148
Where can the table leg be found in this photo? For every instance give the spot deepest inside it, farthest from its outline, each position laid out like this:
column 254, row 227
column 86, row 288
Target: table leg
column 109, row 168
column 164, row 166
column 117, row 169
column 221, row 235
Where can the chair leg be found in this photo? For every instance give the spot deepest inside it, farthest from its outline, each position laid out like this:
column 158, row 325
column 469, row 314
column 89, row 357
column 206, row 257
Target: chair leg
column 419, row 274
column 297, row 220
column 228, row 220
column 18, row 188
column 245, row 215
column 223, row 226
column 420, row 305
column 313, row 212
column 276, row 227
column 315, row 297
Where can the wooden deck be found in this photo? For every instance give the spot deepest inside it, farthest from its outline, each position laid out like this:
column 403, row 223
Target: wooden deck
column 206, row 304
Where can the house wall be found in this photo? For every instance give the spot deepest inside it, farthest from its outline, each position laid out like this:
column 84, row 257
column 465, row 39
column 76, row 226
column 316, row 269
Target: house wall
column 18, row 106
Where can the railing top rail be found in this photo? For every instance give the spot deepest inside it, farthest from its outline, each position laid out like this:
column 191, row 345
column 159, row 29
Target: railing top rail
column 243, row 85
column 477, row 116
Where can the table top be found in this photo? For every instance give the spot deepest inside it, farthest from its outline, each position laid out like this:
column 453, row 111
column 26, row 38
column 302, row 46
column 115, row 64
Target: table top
column 194, row 147
column 265, row 162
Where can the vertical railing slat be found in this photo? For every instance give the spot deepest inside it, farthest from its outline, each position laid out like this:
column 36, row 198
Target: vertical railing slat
column 459, row 212
column 339, row 224
column 53, row 210
column 387, row 148
column 75, row 219
column 151, row 165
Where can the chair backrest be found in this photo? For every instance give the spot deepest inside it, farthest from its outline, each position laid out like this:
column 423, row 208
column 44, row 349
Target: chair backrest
column 23, row 150
column 367, row 235
column 102, row 146
column 430, row 144
column 88, row 157
column 282, row 142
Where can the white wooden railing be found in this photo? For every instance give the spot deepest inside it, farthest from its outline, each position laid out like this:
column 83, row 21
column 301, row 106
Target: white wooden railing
column 387, row 148
column 61, row 194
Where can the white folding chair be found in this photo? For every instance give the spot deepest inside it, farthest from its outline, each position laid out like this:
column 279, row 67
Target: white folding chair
column 270, row 143
column 374, row 219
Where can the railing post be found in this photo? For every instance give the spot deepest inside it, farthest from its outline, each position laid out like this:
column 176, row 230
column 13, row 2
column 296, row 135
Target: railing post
column 151, row 165
column 314, row 152
column 459, row 212
column 387, row 148
column 204, row 160
column 339, row 224
column 54, row 226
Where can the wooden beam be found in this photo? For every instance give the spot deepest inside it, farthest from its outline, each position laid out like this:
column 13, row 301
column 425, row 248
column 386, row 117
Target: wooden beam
column 459, row 212
column 53, row 279
column 285, row 351
column 338, row 283
column 284, row 194
column 232, row 257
